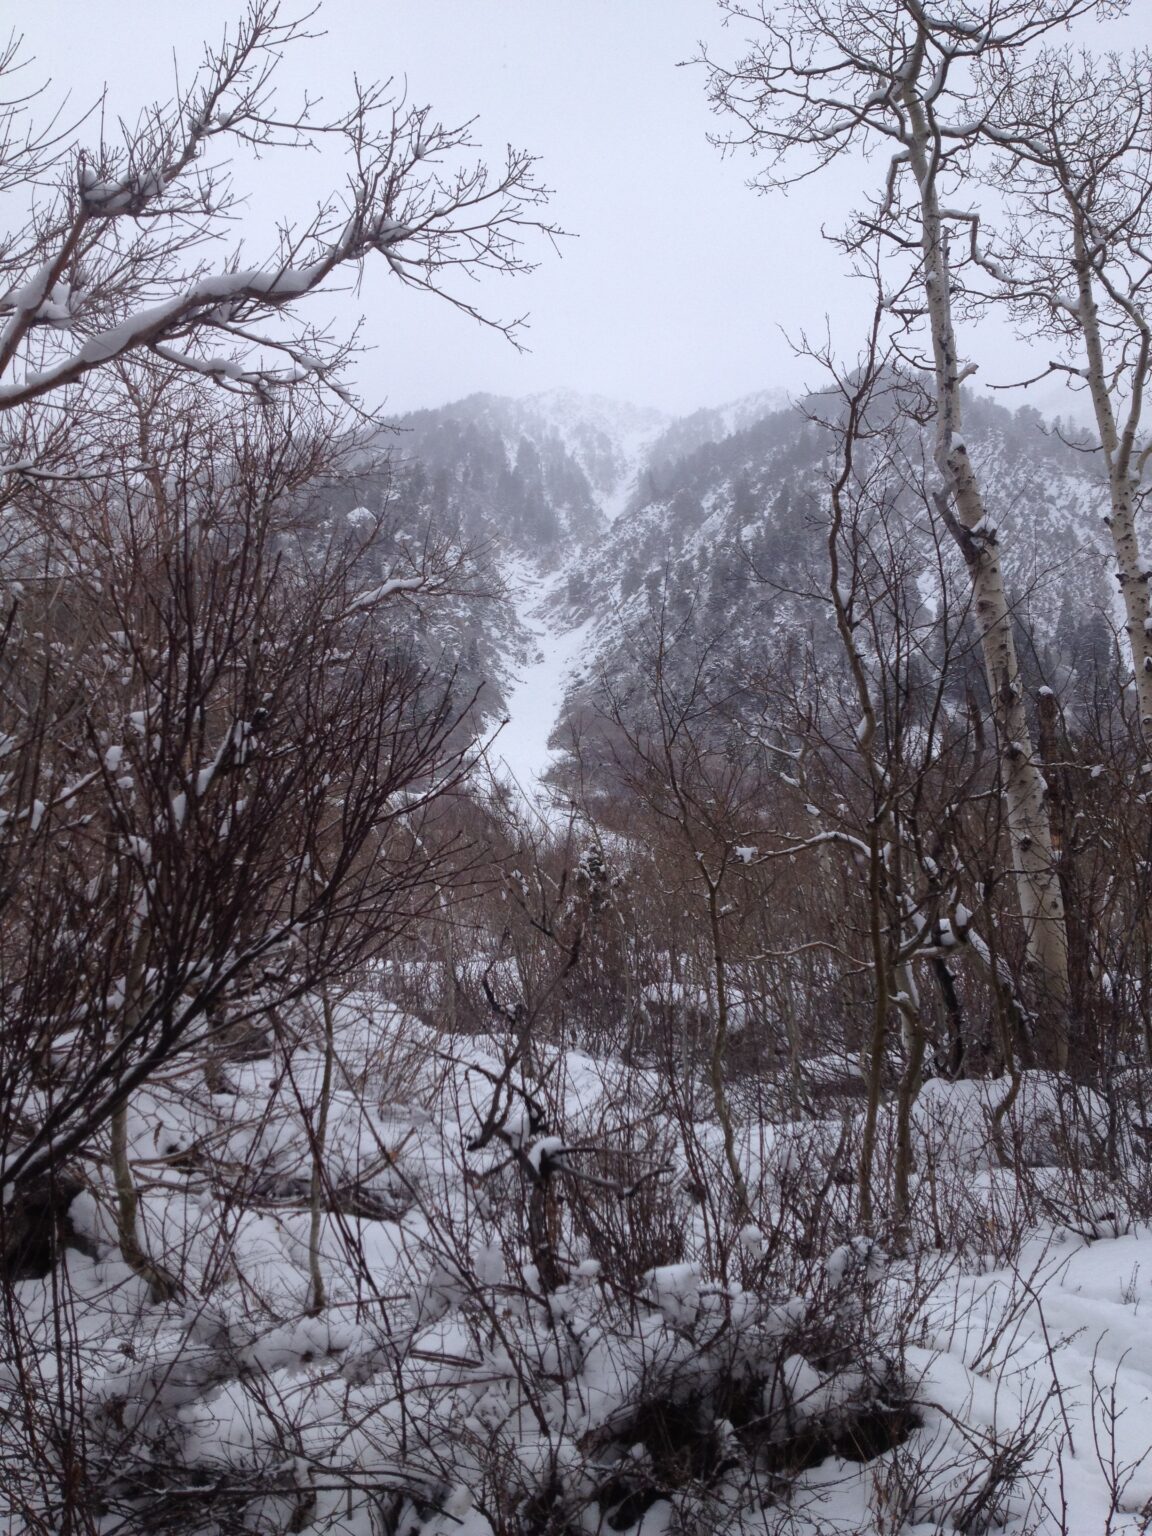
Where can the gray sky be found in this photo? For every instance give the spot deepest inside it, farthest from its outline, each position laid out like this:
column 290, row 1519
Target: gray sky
column 679, row 280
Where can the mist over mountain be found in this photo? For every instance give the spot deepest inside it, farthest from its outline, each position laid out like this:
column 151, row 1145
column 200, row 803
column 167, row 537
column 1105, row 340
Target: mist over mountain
column 594, row 527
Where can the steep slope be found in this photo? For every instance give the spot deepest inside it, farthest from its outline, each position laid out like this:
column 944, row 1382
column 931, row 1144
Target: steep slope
column 724, row 546
column 593, row 526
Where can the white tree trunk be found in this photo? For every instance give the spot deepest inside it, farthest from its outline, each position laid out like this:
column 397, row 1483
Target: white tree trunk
column 1038, row 891
column 1025, row 789
column 1131, row 572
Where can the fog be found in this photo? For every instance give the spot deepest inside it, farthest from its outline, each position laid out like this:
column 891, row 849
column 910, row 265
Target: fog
column 677, row 286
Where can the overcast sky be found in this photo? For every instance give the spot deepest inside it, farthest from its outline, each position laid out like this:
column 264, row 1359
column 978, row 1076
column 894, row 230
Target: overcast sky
column 678, row 282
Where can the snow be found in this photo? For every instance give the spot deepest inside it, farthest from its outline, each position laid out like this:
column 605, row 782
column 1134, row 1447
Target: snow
column 519, row 753
column 738, row 415
column 631, row 430
column 675, row 1289
column 542, row 1152
column 265, row 288
column 437, row 1365
column 378, row 594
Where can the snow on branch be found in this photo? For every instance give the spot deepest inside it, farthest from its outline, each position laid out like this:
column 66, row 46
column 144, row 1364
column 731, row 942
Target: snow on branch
column 110, row 267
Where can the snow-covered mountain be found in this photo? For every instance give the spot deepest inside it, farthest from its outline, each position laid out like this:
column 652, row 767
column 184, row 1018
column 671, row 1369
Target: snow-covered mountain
column 591, row 523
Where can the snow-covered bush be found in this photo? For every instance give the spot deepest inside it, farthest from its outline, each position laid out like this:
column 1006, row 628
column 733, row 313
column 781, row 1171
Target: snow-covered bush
column 444, row 1363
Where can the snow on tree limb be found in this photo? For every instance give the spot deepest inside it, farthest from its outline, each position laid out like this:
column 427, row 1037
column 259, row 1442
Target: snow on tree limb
column 107, row 268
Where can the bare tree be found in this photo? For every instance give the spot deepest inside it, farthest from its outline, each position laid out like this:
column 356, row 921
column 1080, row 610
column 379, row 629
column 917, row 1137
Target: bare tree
column 219, row 759
column 822, row 80
column 1072, row 141
column 220, row 772
column 108, row 264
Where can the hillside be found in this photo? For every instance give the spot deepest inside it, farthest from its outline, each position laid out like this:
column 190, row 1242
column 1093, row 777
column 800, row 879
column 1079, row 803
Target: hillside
column 593, row 524
column 631, row 1107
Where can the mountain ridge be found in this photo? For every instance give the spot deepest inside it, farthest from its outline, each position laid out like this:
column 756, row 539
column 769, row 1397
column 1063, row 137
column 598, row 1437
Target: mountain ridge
column 605, row 519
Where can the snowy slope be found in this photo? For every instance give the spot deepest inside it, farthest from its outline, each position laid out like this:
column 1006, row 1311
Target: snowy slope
column 594, row 516
column 590, row 424
column 518, row 752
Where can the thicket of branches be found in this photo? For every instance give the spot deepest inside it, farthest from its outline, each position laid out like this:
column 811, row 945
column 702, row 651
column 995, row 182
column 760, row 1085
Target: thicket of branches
column 378, row 1155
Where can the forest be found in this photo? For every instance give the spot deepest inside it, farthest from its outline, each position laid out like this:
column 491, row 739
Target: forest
column 565, row 970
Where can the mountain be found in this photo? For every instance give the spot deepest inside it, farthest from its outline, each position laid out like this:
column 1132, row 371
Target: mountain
column 595, row 526
column 543, row 475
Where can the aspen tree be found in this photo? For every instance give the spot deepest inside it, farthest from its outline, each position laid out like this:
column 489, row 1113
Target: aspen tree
column 826, row 78
column 1072, row 142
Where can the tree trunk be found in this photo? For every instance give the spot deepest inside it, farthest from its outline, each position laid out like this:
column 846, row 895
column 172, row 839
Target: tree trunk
column 1131, row 572
column 1025, row 789
column 716, row 1060
column 1025, row 792
column 163, row 1285
column 318, row 1299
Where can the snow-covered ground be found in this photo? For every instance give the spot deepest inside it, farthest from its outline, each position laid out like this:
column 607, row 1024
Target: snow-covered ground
column 438, row 1370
